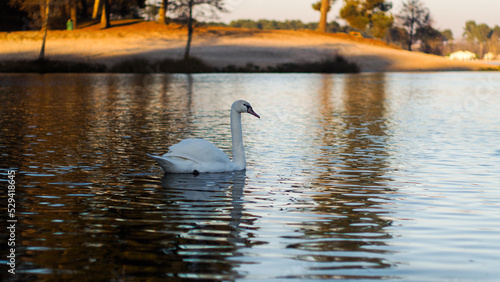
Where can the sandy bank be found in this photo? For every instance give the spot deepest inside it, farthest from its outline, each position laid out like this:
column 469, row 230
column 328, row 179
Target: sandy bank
column 218, row 47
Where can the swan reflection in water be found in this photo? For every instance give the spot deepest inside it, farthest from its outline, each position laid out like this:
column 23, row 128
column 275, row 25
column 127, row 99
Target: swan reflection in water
column 207, row 213
column 206, row 187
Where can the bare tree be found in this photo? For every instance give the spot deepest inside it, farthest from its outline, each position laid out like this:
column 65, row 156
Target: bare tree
column 186, row 10
column 413, row 15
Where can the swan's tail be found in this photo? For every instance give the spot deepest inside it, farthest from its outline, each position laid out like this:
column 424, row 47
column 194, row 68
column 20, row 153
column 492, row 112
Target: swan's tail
column 163, row 162
column 174, row 164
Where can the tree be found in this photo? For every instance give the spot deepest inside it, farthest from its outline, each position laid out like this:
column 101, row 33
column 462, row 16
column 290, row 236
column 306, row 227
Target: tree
column 45, row 27
column 102, row 7
column 162, row 18
column 36, row 11
column 447, row 41
column 186, row 12
column 368, row 15
column 39, row 12
column 431, row 40
column 380, row 24
column 73, row 5
column 398, row 36
column 448, row 35
column 105, row 7
column 413, row 15
column 482, row 34
column 323, row 6
column 494, row 39
column 97, row 9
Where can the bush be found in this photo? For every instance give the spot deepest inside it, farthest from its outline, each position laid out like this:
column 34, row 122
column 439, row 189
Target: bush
column 49, row 66
column 140, row 65
column 336, row 65
column 191, row 65
column 136, row 65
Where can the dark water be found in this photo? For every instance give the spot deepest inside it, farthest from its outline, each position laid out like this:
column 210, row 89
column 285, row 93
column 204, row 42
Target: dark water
column 368, row 176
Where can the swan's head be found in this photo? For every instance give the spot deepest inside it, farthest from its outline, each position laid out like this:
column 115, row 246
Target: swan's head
column 242, row 106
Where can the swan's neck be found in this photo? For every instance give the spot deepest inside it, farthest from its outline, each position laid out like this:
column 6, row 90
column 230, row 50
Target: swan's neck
column 237, row 138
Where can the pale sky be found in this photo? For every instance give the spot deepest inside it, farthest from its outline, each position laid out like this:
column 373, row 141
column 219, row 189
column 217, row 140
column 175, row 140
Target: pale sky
column 447, row 14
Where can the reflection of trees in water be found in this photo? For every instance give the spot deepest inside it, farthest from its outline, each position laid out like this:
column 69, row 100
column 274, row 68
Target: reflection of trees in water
column 351, row 165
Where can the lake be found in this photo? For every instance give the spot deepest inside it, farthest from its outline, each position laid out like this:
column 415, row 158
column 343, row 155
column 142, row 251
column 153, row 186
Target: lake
column 367, row 176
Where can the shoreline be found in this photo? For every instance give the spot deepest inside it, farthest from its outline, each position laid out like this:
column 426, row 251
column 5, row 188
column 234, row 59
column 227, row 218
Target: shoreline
column 220, row 48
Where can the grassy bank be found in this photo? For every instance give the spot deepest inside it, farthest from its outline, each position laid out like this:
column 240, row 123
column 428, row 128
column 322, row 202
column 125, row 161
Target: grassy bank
column 192, row 65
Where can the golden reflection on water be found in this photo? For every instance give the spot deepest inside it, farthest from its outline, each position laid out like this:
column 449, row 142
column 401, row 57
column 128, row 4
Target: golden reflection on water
column 348, row 167
column 315, row 203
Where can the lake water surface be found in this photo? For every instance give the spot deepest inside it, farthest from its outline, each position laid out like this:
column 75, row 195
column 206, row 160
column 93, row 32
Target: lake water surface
column 368, row 176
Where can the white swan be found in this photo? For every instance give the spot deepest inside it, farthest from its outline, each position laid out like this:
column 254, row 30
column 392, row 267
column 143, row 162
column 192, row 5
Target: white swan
column 199, row 156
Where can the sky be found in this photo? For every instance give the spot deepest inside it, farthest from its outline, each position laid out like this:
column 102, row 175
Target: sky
column 447, row 14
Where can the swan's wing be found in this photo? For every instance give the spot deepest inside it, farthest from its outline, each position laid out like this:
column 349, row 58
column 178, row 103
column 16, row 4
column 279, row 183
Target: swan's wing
column 197, row 150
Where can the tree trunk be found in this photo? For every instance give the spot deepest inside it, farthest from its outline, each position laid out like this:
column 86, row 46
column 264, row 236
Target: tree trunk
column 481, row 50
column 105, row 14
column 84, row 10
column 162, row 18
column 45, row 26
column 325, row 6
column 190, row 30
column 410, row 39
column 73, row 12
column 97, row 9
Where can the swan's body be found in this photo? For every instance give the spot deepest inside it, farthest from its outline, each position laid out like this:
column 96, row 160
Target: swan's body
column 200, row 156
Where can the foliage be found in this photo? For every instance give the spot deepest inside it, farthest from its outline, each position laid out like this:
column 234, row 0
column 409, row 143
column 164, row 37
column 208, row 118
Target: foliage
column 282, row 25
column 60, row 10
column 380, row 24
column 483, row 35
column 431, row 40
column 368, row 15
column 127, row 8
column 476, row 33
column 329, row 65
column 414, row 19
column 35, row 10
column 192, row 65
column 397, row 36
column 317, row 6
column 205, row 9
column 185, row 10
column 49, row 66
column 140, row 65
column 413, row 15
column 447, row 35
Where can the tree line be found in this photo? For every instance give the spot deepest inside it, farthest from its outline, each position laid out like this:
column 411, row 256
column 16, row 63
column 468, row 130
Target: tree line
column 411, row 27
column 53, row 13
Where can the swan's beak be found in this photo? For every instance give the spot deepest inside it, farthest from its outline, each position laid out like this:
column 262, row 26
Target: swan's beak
column 250, row 111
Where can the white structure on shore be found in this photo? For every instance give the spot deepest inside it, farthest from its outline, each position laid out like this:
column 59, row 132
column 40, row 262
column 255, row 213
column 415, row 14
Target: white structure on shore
column 489, row 56
column 462, row 56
